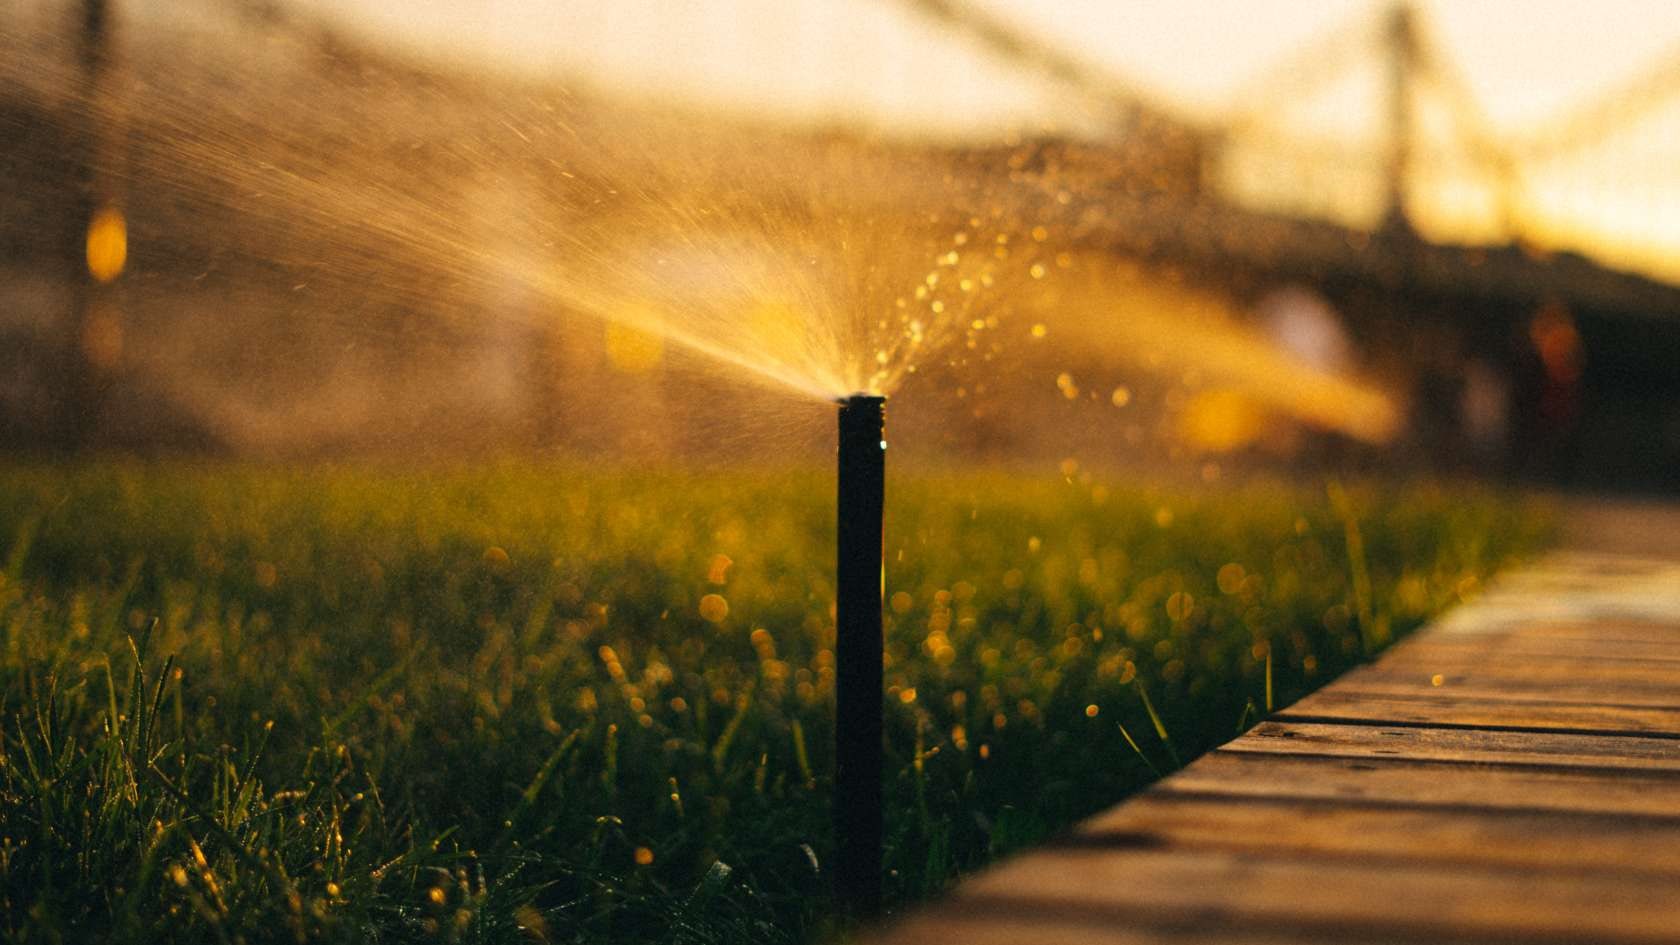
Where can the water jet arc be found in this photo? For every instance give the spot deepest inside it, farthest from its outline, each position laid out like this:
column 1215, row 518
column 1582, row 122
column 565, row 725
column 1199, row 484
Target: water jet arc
column 857, row 646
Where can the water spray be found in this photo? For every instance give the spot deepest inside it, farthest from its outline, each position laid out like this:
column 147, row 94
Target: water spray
column 859, row 584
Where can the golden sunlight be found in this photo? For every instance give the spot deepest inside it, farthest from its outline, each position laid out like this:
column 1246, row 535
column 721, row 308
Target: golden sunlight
column 107, row 244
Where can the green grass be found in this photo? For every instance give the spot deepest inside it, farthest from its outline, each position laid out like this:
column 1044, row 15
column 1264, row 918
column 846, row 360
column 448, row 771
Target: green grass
column 364, row 705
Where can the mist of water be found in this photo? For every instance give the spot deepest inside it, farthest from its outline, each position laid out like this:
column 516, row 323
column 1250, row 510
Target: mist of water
column 399, row 207
column 819, row 270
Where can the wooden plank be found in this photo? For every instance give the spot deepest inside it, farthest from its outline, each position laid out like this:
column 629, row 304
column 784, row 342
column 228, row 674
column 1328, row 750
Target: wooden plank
column 1017, row 924
column 1578, row 577
column 1423, row 784
column 1522, row 645
column 1416, row 685
column 1332, row 829
column 1479, row 747
column 1620, row 631
column 1622, row 612
column 1609, row 686
column 1511, row 614
column 1498, row 667
column 1313, row 899
column 1508, row 659
column 1452, row 686
column 1422, row 705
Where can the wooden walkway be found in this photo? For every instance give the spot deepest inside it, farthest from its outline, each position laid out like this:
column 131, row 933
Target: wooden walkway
column 1511, row 774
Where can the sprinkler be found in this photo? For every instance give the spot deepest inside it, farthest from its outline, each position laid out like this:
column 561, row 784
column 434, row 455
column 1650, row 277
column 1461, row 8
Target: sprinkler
column 857, row 701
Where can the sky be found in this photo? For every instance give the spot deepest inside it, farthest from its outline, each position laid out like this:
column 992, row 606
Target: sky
column 884, row 65
column 880, row 62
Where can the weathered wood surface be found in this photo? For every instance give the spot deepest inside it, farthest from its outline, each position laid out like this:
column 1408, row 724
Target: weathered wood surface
column 1389, row 742
column 1501, row 711
column 1511, row 774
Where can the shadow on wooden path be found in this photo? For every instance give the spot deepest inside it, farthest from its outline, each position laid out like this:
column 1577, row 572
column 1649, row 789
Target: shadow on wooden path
column 1509, row 774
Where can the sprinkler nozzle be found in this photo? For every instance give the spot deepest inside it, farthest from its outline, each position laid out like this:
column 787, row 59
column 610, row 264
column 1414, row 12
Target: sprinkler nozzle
column 859, row 586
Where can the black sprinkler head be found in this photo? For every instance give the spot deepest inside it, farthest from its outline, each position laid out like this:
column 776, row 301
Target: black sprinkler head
column 859, row 585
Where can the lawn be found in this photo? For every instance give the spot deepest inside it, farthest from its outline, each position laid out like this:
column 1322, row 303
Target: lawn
column 546, row 702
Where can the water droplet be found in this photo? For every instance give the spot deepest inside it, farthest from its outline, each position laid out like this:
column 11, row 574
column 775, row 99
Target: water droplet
column 714, row 608
column 717, row 572
column 1180, row 605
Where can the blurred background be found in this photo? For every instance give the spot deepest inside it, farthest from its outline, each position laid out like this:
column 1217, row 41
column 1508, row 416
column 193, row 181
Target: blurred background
column 1201, row 237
